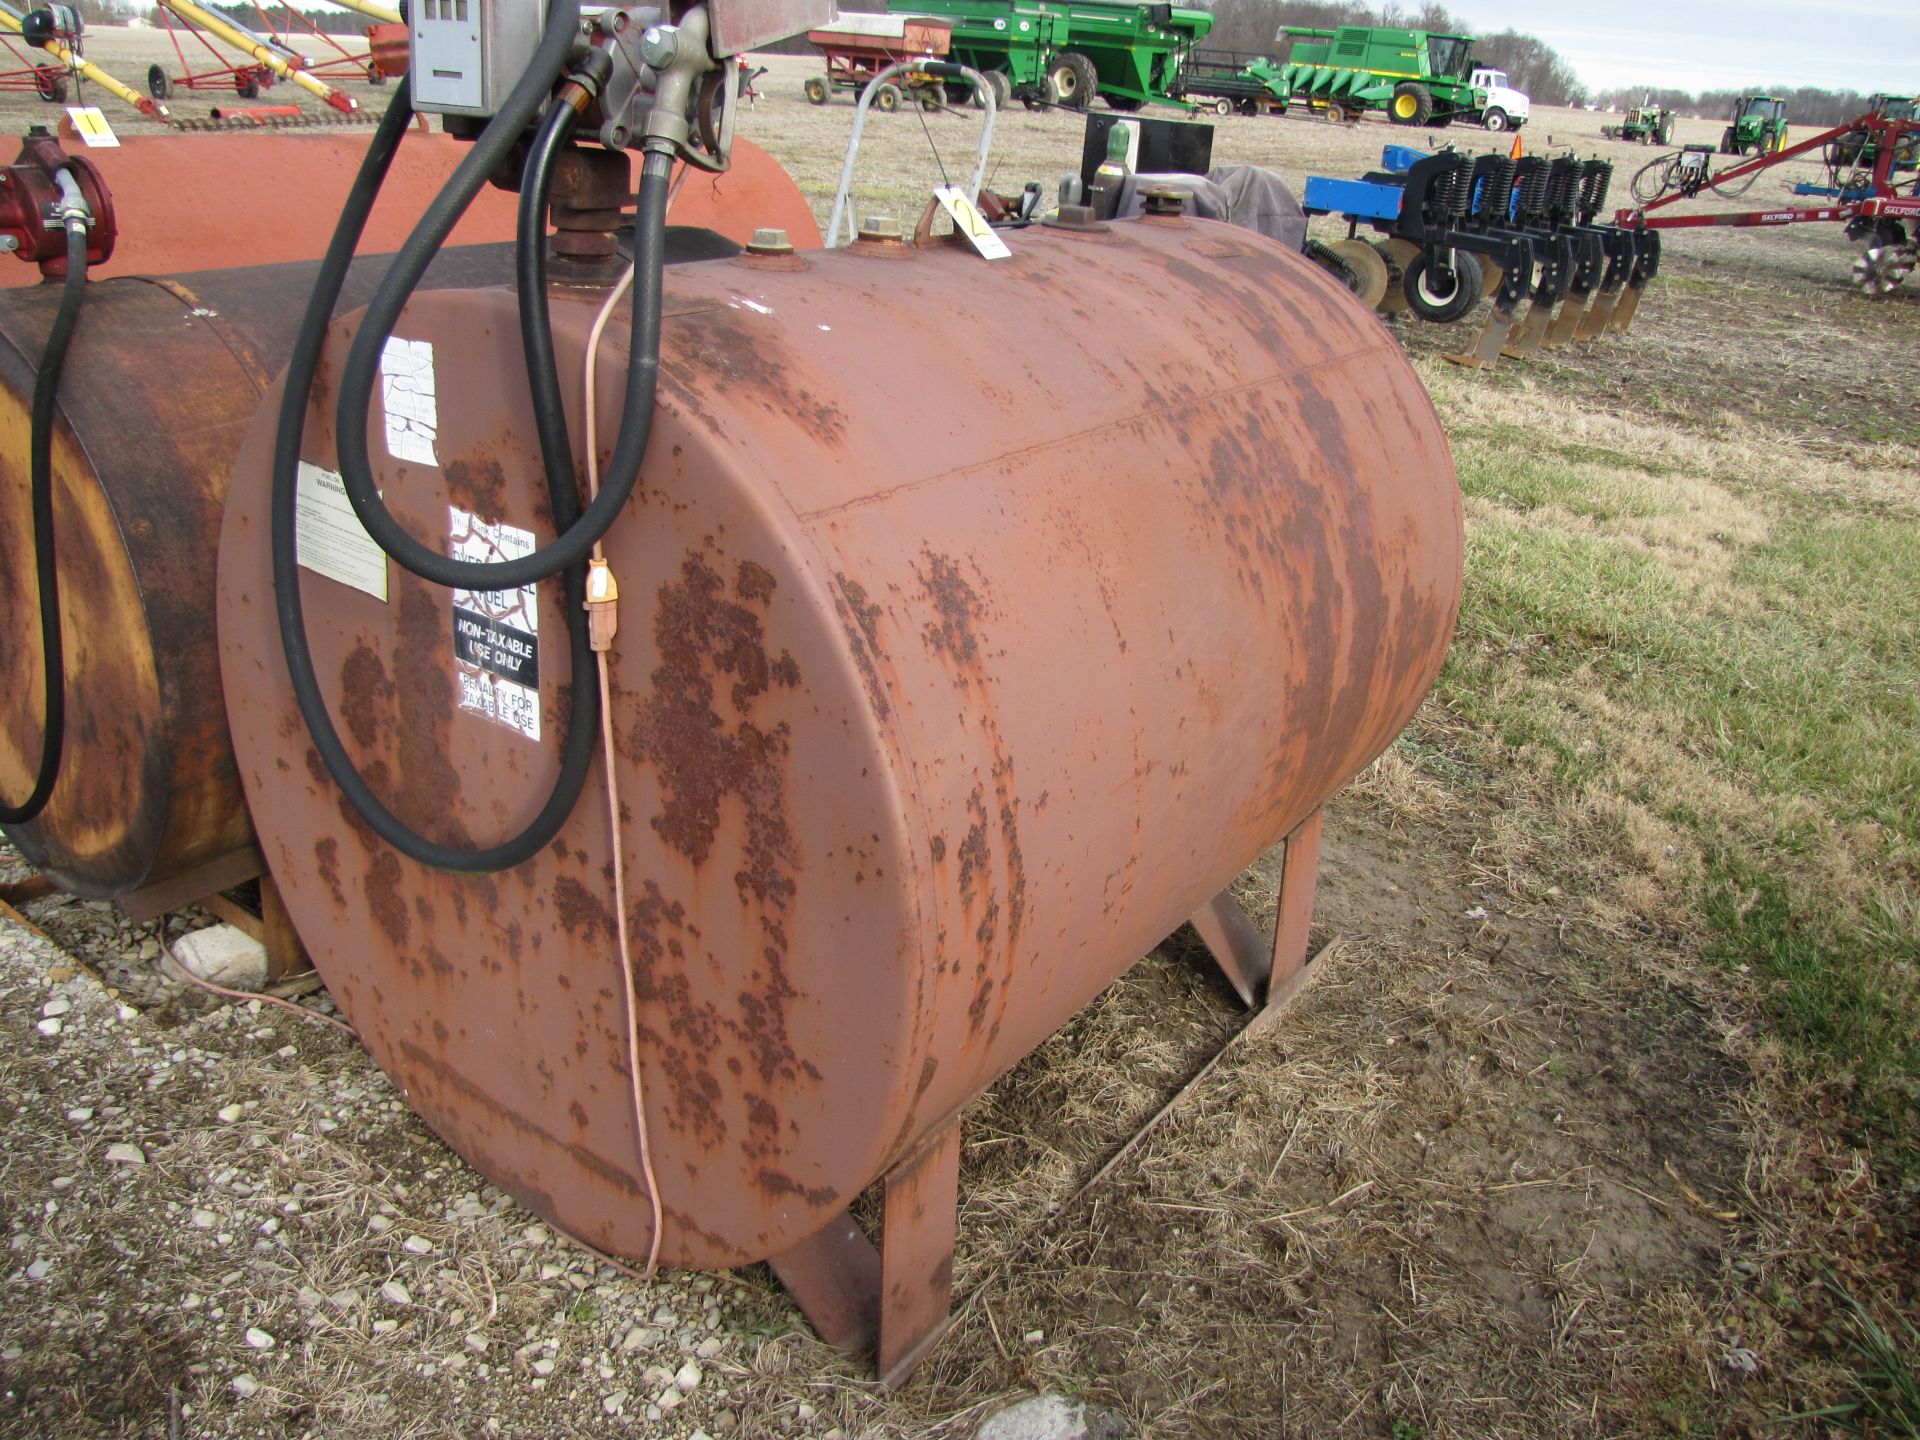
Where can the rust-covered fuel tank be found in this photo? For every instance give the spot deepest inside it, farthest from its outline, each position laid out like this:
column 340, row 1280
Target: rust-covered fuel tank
column 160, row 385
column 980, row 622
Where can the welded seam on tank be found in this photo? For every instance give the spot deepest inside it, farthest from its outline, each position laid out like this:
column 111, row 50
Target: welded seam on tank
column 242, row 352
column 907, row 487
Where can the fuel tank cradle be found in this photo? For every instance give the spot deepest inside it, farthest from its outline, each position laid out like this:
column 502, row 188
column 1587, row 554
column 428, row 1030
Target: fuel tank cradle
column 980, row 622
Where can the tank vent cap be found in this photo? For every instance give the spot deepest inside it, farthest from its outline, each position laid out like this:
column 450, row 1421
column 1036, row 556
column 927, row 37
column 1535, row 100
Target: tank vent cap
column 881, row 227
column 769, row 242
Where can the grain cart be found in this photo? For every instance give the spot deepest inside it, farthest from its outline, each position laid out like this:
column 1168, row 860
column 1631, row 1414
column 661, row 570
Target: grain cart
column 1416, row 77
column 859, row 46
column 1647, row 124
column 1064, row 54
column 878, row 809
column 1758, row 125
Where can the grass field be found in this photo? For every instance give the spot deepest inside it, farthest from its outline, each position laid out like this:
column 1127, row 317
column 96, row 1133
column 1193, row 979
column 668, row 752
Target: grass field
column 1602, row 1118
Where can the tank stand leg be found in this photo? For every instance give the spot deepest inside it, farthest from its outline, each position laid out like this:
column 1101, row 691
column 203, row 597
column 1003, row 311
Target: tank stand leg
column 1249, row 961
column 896, row 1297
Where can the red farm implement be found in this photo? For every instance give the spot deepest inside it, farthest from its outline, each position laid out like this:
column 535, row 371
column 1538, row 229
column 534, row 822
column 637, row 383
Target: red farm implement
column 1864, row 193
column 858, row 47
column 287, row 45
column 57, row 31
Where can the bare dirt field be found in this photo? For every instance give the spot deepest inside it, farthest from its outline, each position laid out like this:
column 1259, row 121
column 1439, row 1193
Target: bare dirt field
column 1596, row 1115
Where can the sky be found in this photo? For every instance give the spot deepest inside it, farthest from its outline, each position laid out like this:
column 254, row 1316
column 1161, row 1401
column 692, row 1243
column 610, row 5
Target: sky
column 1864, row 45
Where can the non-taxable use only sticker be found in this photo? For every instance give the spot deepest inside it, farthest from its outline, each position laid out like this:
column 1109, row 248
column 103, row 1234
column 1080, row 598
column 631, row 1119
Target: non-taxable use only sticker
column 496, row 633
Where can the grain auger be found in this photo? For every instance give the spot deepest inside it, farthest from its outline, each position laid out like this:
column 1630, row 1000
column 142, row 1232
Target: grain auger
column 1461, row 228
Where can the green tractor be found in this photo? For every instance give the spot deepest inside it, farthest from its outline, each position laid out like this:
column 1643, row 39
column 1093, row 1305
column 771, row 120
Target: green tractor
column 1856, row 149
column 1757, row 126
column 1645, row 125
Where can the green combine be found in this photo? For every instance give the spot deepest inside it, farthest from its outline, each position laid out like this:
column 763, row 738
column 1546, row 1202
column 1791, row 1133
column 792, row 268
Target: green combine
column 1417, row 77
column 1051, row 53
column 1757, row 126
column 1857, row 149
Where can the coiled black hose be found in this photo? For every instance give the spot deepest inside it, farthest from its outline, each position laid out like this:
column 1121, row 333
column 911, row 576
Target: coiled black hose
column 577, row 758
column 53, row 664
column 574, row 541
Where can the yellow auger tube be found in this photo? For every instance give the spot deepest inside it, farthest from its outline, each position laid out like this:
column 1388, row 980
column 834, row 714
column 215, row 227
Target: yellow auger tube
column 145, row 104
column 251, row 46
column 372, row 11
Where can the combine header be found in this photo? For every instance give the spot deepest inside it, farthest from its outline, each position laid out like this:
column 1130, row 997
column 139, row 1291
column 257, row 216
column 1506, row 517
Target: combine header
column 1865, row 192
column 1524, row 230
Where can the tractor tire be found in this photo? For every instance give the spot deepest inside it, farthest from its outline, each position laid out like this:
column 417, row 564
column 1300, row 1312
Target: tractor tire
column 933, row 97
column 815, row 90
column 1496, row 120
column 1411, row 104
column 1726, row 142
column 1072, row 81
column 50, row 85
column 246, row 87
column 1248, row 107
column 1398, row 254
column 159, row 83
column 1223, row 106
column 887, row 97
column 1002, row 88
column 1369, row 269
column 959, row 95
column 1663, row 136
column 376, row 77
column 1443, row 307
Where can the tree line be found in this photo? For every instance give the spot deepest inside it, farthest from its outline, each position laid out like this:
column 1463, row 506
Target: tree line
column 1805, row 106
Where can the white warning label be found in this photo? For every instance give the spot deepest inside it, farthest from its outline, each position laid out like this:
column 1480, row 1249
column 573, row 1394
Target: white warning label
column 496, row 633
column 329, row 538
column 407, row 396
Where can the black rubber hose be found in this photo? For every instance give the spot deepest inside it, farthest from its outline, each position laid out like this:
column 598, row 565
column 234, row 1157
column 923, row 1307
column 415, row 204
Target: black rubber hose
column 530, row 272
column 53, row 663
column 572, row 542
column 298, row 383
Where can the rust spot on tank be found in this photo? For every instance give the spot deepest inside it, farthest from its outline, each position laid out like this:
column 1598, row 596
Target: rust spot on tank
column 382, row 887
column 578, row 1112
column 937, row 847
column 760, row 1112
column 478, row 485
column 326, row 857
column 860, row 619
column 702, row 636
column 754, row 583
column 720, row 353
column 429, row 798
column 365, row 694
column 779, row 1186
column 581, row 912
column 956, row 604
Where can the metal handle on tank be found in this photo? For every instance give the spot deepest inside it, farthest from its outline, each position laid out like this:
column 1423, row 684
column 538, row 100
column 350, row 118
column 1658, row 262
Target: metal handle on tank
column 945, row 68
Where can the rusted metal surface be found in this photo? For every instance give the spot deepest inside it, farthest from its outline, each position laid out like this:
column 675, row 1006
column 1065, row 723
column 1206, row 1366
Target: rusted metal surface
column 160, row 386
column 953, row 677
column 279, row 195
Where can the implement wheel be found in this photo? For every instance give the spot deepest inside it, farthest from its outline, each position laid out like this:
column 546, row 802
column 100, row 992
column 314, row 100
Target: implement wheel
column 1072, row 81
column 1442, row 303
column 1223, row 106
column 159, row 83
column 1369, row 270
column 1398, row 254
column 50, row 85
column 1412, row 104
column 887, row 97
column 815, row 90
column 1002, row 88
